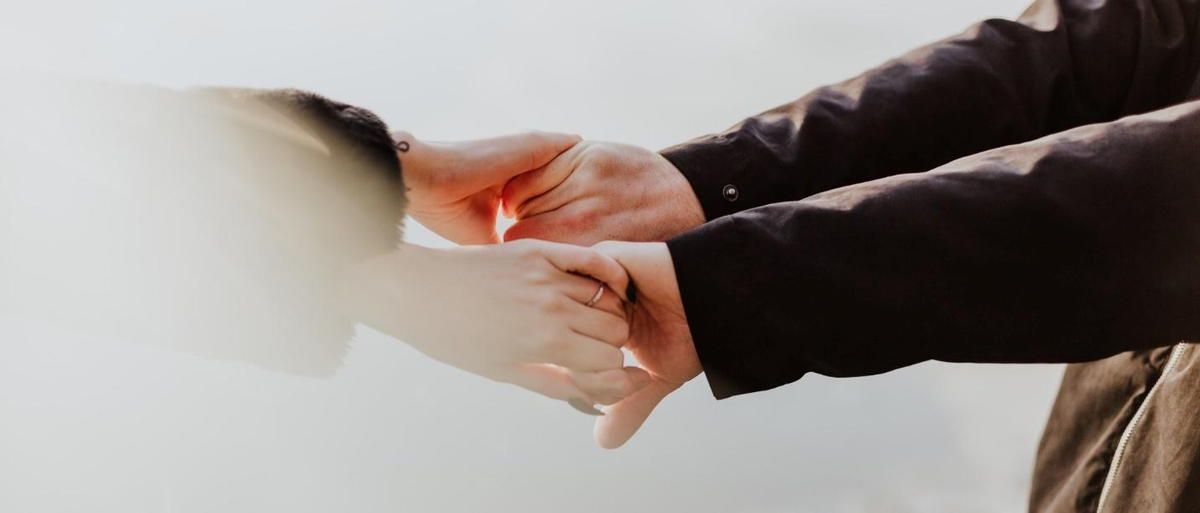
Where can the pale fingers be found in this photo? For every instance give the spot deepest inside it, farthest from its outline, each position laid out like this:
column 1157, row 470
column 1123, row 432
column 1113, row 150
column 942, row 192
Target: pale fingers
column 609, row 387
column 549, row 380
column 509, row 155
column 471, row 166
column 587, row 261
column 605, row 387
column 599, row 325
column 580, row 353
column 583, row 289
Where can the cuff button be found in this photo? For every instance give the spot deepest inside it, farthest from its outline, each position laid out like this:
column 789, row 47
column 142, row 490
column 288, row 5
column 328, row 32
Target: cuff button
column 730, row 192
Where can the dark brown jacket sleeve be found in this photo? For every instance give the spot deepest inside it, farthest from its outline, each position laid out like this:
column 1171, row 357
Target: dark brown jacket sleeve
column 1067, row 248
column 1060, row 65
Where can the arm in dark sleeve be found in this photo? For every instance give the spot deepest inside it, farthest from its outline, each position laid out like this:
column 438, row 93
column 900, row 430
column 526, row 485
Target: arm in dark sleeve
column 1069, row 248
column 1064, row 63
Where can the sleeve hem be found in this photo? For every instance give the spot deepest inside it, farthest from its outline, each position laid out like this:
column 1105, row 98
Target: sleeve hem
column 719, row 312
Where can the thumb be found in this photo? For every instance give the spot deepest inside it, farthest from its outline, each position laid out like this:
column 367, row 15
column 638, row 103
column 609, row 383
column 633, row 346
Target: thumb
column 484, row 163
column 622, row 420
column 519, row 192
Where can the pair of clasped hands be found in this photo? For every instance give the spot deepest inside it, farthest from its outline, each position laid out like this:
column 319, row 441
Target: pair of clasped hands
column 526, row 307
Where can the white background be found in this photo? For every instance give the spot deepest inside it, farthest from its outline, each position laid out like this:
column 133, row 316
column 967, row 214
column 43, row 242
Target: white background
column 93, row 425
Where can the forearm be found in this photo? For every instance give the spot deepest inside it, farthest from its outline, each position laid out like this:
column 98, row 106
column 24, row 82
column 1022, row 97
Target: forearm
column 1068, row 248
column 1062, row 64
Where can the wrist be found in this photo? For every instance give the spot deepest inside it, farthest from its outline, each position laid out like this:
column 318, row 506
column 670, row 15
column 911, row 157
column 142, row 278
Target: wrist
column 712, row 174
column 383, row 290
column 663, row 266
column 685, row 205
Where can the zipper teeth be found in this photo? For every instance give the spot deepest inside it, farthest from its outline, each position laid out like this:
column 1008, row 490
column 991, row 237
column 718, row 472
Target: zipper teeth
column 1115, row 465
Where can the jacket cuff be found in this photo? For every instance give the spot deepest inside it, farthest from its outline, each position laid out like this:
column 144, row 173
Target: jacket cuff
column 727, row 323
column 732, row 171
column 711, row 165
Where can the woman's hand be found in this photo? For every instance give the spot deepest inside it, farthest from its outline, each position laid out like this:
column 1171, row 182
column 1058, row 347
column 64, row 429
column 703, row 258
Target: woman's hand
column 515, row 313
column 454, row 188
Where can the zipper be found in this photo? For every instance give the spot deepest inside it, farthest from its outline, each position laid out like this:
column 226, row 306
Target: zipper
column 1123, row 443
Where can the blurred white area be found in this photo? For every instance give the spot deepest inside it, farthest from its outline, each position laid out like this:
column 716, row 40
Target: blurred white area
column 94, row 425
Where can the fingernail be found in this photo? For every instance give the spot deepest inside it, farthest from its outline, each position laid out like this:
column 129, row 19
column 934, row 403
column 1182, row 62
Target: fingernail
column 584, row 406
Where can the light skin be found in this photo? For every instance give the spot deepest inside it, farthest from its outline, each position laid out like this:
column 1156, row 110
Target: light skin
column 514, row 313
column 580, row 193
column 597, row 192
column 455, row 187
column 659, row 337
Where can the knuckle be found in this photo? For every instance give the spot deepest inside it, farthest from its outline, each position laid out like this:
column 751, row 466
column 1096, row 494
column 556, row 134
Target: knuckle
column 532, row 348
column 545, row 307
column 592, row 260
column 548, row 304
column 555, row 348
column 617, row 382
column 620, row 330
column 537, row 277
column 613, row 358
column 616, row 307
column 604, row 246
column 542, row 342
column 616, row 330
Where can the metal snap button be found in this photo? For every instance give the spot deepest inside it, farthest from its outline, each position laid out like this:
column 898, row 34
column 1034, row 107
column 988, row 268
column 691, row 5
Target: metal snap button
column 730, row 192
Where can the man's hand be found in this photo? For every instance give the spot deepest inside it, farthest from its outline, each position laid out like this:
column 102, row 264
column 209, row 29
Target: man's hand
column 602, row 191
column 454, row 188
column 659, row 337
